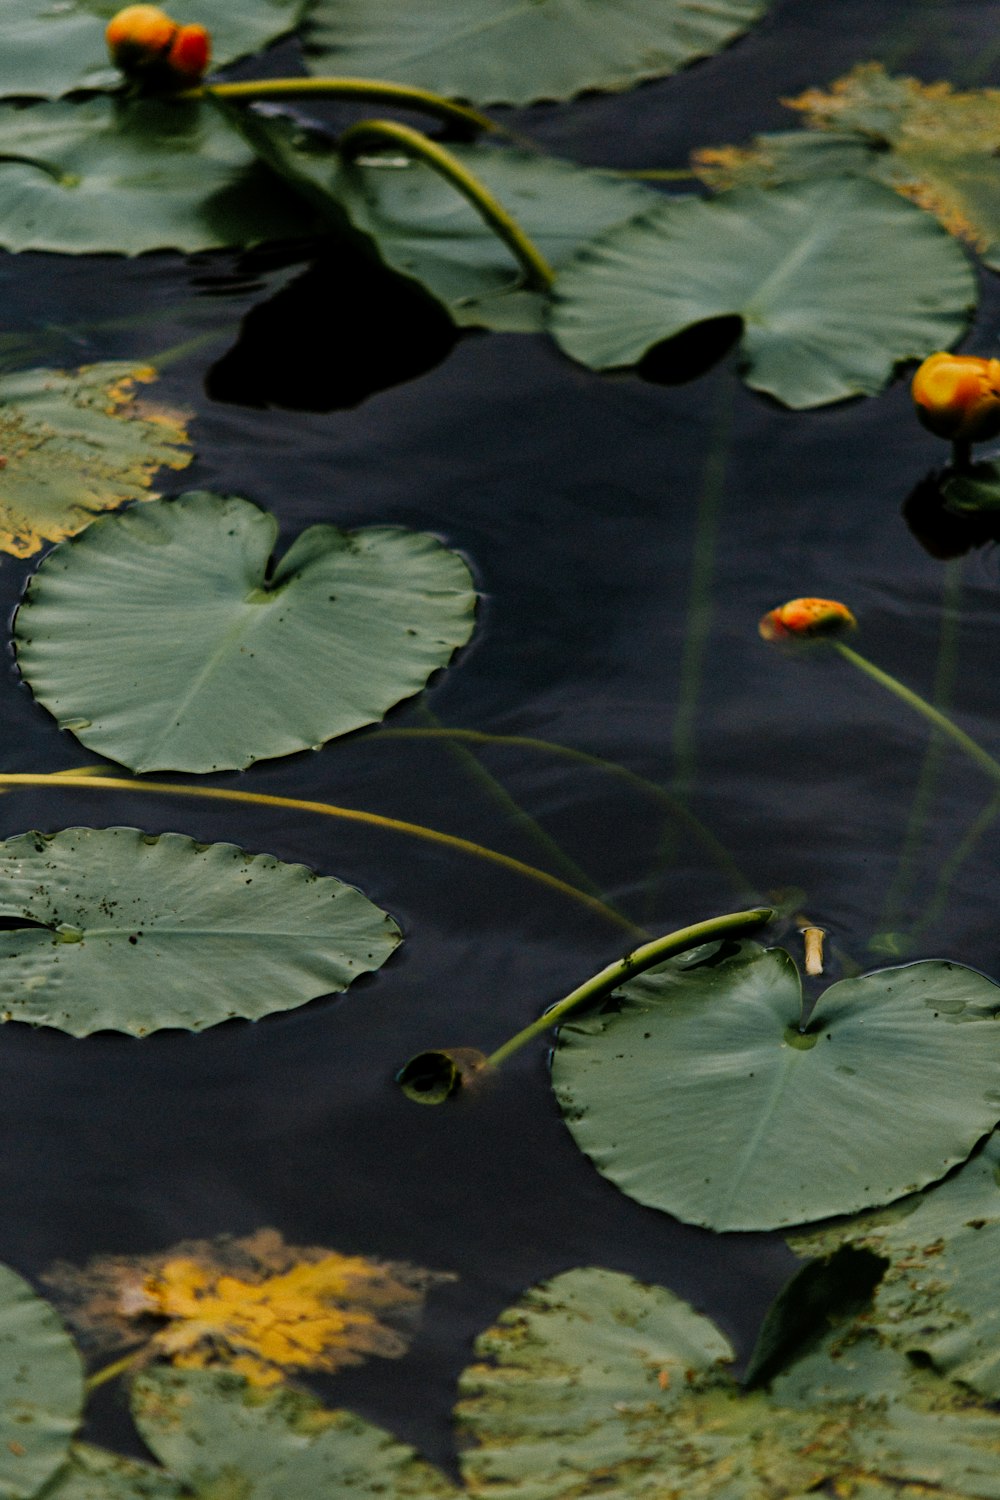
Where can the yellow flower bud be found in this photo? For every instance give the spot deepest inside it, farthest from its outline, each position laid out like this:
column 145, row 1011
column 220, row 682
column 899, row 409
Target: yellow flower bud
column 139, row 36
column 801, row 619
column 958, row 396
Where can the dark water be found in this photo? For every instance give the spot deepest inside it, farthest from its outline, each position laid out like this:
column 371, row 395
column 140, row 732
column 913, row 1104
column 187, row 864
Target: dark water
column 579, row 502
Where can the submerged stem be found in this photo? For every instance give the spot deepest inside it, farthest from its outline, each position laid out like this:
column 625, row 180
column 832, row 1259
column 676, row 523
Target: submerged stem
column 537, row 272
column 634, row 963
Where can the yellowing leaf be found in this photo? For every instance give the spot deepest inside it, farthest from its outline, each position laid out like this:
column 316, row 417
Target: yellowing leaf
column 256, row 1306
column 935, row 145
column 75, row 443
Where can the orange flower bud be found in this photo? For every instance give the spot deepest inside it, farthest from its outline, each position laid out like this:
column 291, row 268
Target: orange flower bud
column 189, row 54
column 801, row 619
column 139, row 36
column 958, row 396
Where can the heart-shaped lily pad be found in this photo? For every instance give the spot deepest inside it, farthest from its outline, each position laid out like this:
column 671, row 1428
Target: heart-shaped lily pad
column 163, row 639
column 128, row 931
column 54, row 48
column 41, row 1389
column 836, row 282
column 499, row 52
column 697, row 1094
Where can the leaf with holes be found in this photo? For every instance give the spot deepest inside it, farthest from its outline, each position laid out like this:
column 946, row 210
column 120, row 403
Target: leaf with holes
column 696, row 1092
column 115, row 929
column 162, row 638
column 835, row 282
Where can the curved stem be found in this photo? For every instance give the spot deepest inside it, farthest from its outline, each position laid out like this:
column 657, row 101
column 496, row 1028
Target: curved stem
column 537, row 271
column 634, row 963
column 933, row 715
column 363, row 90
column 329, row 810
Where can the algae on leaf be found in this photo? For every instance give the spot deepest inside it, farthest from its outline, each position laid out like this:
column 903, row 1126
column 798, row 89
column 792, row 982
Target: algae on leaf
column 836, row 283
column 128, row 931
column 74, row 444
column 162, row 638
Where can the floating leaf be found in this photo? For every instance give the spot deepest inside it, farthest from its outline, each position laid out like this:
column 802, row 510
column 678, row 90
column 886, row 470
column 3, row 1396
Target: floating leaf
column 94, row 1474
column 594, row 1384
column 836, row 282
column 51, row 49
column 129, row 931
column 75, row 444
column 163, row 640
column 513, row 54
column 938, row 1296
column 424, row 228
column 929, row 142
column 214, row 1430
column 255, row 1306
column 697, row 1094
column 41, row 1389
column 131, row 175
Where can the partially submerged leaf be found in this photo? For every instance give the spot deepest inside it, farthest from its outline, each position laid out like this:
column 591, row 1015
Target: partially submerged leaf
column 973, row 491
column 162, row 638
column 696, row 1092
column 513, row 54
column 41, row 1389
column 128, row 931
column 836, row 283
column 213, row 1429
column 52, row 49
column 255, row 1307
column 74, row 444
column 131, row 175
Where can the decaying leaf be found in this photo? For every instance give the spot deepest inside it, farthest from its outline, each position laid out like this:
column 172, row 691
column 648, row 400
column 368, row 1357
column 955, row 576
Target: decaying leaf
column 74, row 443
column 932, row 143
column 254, row 1306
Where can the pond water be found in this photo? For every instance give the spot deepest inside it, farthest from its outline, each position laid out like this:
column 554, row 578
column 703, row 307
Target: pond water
column 626, row 536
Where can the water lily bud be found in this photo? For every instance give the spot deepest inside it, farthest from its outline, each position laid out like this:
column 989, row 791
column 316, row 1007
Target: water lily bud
column 139, row 37
column 801, row 619
column 189, row 54
column 958, row 396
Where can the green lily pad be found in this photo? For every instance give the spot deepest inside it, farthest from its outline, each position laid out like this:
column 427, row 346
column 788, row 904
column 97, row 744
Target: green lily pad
column 41, row 1389
column 929, row 142
column 595, row 1384
column 224, row 1437
column 938, row 1296
column 129, row 931
column 425, row 229
column 514, row 53
column 836, row 282
column 75, row 444
column 162, row 640
column 51, row 49
column 95, row 1474
column 131, row 175
column 697, row 1094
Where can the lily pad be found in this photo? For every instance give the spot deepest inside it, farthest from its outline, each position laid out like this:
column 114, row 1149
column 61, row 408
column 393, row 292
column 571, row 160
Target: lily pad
column 75, row 444
column 930, row 142
column 224, row 1437
column 131, row 175
column 129, row 931
column 425, row 229
column 95, row 1474
column 836, row 283
column 513, row 53
column 163, row 639
column 51, row 50
column 937, row 1299
column 697, row 1094
column 594, row 1384
column 41, row 1389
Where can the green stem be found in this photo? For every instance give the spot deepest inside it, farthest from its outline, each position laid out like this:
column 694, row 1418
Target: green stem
column 933, row 715
column 537, row 271
column 329, row 810
column 363, row 90
column 951, row 866
column 634, row 963
column 112, row 1371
